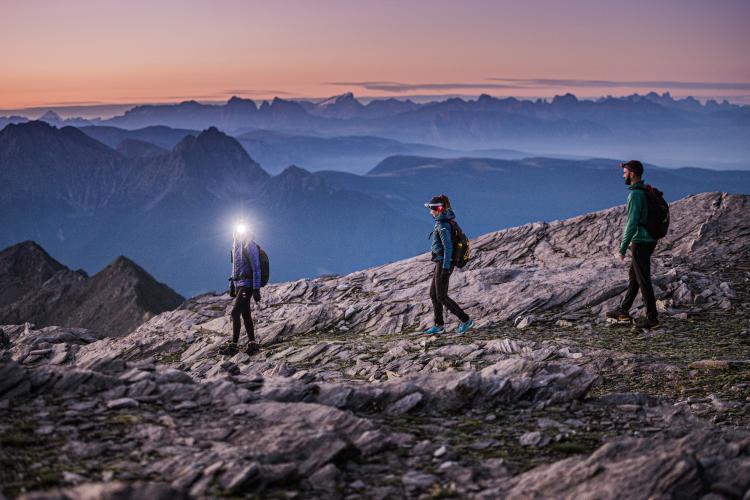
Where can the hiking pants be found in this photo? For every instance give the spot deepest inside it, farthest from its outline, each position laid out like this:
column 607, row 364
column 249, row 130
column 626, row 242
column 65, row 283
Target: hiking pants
column 439, row 295
column 241, row 310
column 640, row 279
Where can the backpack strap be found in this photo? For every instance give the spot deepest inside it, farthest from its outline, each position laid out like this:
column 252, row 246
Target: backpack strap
column 647, row 189
column 455, row 229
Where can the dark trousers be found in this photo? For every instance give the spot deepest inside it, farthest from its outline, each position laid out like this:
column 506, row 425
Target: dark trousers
column 640, row 279
column 439, row 295
column 241, row 310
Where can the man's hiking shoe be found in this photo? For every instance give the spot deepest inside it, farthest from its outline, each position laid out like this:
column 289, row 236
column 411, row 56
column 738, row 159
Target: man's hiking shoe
column 646, row 323
column 464, row 327
column 252, row 348
column 618, row 315
column 229, row 349
column 435, row 330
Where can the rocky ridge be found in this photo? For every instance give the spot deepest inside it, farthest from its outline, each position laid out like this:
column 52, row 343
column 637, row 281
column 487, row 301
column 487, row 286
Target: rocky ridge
column 561, row 270
column 543, row 399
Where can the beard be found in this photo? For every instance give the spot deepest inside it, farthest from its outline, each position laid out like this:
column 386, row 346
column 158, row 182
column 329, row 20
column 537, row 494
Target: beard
column 627, row 181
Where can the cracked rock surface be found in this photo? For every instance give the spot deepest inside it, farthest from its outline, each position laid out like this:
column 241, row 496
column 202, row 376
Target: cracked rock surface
column 346, row 399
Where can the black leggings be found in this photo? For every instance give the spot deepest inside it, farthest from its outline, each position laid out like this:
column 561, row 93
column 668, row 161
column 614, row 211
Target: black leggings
column 241, row 310
column 439, row 295
column 640, row 279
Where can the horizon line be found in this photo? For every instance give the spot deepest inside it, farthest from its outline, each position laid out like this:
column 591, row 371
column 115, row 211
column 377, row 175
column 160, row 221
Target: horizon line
column 114, row 107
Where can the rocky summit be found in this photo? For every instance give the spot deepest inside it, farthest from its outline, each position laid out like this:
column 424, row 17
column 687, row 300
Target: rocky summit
column 347, row 399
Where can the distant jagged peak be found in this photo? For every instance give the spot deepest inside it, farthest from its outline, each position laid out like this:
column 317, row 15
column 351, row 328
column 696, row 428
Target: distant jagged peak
column 566, row 98
column 390, row 100
column 210, row 133
column 294, row 171
column 123, row 266
column 27, row 262
column 282, row 106
column 213, row 149
column 53, row 118
column 50, row 116
column 236, row 102
column 191, row 103
column 687, row 103
column 454, row 100
column 295, row 178
column 123, row 262
column 347, row 98
column 32, row 126
column 28, row 245
column 239, row 100
column 215, row 140
column 33, row 133
column 29, row 249
column 278, row 102
column 209, row 136
column 389, row 106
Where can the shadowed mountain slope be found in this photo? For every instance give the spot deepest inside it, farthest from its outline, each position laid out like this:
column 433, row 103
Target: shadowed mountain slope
column 38, row 289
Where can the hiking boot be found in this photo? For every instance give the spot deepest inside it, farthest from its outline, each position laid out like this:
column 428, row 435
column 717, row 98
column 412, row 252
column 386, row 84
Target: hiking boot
column 437, row 329
column 252, row 348
column 619, row 314
column 646, row 323
column 228, row 349
column 464, row 327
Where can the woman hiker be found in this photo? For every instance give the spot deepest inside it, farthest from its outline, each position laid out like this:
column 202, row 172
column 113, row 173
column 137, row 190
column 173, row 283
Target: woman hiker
column 442, row 255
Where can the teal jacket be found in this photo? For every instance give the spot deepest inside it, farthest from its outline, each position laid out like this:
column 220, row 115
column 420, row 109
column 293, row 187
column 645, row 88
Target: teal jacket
column 442, row 244
column 635, row 229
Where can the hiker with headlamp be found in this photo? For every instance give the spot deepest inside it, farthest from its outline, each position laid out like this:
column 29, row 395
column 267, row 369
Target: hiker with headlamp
column 446, row 236
column 245, row 284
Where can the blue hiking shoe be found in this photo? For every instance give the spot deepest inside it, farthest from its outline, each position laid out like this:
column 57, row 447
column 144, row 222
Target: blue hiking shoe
column 437, row 329
column 464, row 327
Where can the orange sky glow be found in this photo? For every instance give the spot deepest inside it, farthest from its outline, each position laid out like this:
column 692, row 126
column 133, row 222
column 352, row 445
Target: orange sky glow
column 95, row 52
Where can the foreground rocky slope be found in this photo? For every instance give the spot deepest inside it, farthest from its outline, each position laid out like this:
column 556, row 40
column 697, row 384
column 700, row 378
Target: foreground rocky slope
column 36, row 288
column 544, row 399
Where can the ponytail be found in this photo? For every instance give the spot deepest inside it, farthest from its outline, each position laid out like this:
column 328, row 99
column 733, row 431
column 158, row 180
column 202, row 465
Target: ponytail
column 446, row 201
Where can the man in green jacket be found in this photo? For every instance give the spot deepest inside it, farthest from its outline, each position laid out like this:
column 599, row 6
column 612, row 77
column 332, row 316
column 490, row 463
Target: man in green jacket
column 642, row 246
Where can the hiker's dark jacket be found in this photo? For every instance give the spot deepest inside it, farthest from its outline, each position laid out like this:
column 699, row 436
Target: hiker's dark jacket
column 246, row 273
column 635, row 229
column 442, row 244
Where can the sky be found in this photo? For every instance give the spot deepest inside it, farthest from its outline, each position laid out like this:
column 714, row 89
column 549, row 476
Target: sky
column 87, row 52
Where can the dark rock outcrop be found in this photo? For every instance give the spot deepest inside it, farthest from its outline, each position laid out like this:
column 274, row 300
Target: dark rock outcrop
column 36, row 288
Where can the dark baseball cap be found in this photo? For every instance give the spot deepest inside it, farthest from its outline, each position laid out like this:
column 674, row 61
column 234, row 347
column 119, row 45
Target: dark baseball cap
column 634, row 166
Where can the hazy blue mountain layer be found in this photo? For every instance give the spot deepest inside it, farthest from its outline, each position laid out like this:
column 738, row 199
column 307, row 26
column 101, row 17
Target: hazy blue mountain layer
column 172, row 210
